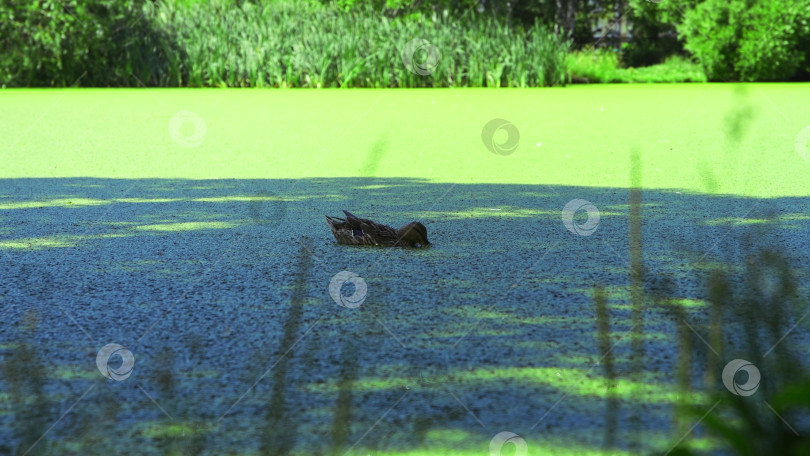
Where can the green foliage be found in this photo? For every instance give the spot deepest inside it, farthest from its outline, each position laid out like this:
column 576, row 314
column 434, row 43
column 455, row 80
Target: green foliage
column 94, row 42
column 276, row 43
column 23, row 376
column 747, row 40
column 303, row 44
column 759, row 423
column 358, row 43
column 590, row 66
column 394, row 8
column 654, row 34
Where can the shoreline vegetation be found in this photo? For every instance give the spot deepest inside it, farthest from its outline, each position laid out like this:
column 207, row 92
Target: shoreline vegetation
column 310, row 44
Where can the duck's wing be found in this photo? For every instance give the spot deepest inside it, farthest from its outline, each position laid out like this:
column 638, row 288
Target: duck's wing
column 379, row 233
column 342, row 231
column 356, row 222
column 382, row 234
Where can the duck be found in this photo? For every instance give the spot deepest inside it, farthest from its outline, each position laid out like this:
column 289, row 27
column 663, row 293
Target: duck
column 354, row 230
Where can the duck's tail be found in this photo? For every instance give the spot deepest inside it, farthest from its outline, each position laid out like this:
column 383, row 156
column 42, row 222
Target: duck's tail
column 350, row 216
column 334, row 221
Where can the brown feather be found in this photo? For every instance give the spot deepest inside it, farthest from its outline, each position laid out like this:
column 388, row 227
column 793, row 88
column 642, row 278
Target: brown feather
column 358, row 231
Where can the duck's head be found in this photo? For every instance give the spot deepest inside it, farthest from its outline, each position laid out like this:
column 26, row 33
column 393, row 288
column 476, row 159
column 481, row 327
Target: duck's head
column 414, row 234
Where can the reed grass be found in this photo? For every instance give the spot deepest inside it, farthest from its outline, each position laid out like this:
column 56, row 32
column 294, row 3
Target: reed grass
column 291, row 43
column 752, row 310
column 603, row 329
column 755, row 312
column 25, row 374
column 305, row 44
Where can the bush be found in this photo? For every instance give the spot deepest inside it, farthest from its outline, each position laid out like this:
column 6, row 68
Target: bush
column 654, row 34
column 590, row 66
column 747, row 40
column 92, row 42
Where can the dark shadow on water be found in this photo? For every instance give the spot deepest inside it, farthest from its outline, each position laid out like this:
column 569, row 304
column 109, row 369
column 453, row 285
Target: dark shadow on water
column 492, row 329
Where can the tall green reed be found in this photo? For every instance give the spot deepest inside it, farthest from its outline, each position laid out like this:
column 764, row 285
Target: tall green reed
column 24, row 374
column 304, row 44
